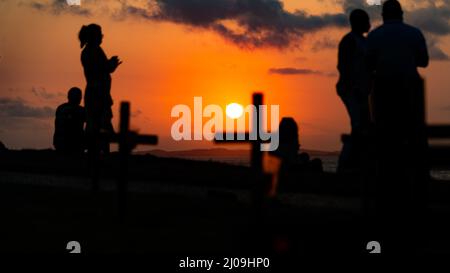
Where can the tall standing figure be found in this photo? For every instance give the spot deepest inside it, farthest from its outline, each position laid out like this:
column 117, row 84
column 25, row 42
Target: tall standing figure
column 395, row 51
column 353, row 86
column 97, row 98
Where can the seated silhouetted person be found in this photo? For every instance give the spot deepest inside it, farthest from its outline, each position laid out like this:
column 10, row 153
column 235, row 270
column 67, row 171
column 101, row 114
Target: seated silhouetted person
column 353, row 86
column 69, row 124
column 289, row 147
column 395, row 51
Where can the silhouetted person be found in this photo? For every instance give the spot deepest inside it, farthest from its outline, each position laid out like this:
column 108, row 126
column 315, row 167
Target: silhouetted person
column 289, row 148
column 353, row 85
column 97, row 97
column 286, row 163
column 289, row 144
column 69, row 124
column 395, row 50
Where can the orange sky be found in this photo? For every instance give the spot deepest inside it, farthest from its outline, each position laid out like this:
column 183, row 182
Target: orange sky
column 166, row 64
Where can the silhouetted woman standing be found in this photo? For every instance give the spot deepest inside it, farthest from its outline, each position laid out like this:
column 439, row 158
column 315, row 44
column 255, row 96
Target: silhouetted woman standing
column 97, row 97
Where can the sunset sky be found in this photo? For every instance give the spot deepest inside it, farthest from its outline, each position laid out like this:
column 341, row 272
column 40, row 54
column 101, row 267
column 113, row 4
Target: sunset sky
column 173, row 50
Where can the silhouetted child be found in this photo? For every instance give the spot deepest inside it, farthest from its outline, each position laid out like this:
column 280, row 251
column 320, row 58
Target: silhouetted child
column 353, row 86
column 69, row 124
column 97, row 97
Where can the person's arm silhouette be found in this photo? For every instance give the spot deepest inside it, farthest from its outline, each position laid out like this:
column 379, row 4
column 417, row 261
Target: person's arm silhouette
column 346, row 49
column 113, row 63
column 422, row 58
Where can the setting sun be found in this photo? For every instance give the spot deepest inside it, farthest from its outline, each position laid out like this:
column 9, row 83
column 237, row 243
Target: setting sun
column 234, row 110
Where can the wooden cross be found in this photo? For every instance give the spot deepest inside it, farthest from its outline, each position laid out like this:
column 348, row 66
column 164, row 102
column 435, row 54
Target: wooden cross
column 259, row 186
column 127, row 141
column 256, row 154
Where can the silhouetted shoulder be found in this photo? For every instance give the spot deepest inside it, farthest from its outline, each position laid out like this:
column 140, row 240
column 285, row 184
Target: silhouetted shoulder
column 413, row 32
column 395, row 29
column 69, row 109
column 61, row 108
column 376, row 32
column 347, row 38
column 412, row 28
column 348, row 42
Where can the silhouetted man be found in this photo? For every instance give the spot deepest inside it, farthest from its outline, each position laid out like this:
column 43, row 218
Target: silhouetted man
column 69, row 124
column 395, row 50
column 353, row 84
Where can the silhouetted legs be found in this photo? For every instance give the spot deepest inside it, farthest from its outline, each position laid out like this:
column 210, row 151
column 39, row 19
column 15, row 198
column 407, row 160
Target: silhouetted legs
column 401, row 165
column 353, row 146
column 99, row 131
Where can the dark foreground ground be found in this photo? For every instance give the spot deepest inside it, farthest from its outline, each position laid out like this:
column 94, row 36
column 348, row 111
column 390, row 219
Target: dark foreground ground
column 180, row 208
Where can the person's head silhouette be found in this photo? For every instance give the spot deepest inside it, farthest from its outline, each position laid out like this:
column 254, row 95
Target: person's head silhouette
column 360, row 21
column 74, row 96
column 91, row 35
column 392, row 10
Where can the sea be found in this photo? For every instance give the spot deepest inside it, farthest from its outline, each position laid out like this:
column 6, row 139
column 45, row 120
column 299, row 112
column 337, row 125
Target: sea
column 329, row 163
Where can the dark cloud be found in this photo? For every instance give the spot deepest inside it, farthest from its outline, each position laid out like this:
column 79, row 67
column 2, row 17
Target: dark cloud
column 254, row 23
column 42, row 93
column 246, row 23
column 18, row 108
column 299, row 71
column 436, row 53
column 431, row 19
column 428, row 16
column 374, row 11
column 323, row 44
column 262, row 23
column 434, row 21
column 59, row 7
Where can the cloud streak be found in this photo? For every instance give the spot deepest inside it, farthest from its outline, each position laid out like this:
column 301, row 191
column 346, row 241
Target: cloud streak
column 18, row 108
column 436, row 53
column 289, row 71
column 324, row 44
column 42, row 93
